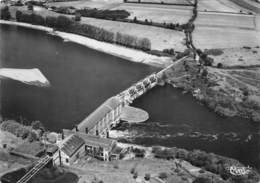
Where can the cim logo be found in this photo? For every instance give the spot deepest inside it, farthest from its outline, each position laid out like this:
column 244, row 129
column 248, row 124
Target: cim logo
column 239, row 171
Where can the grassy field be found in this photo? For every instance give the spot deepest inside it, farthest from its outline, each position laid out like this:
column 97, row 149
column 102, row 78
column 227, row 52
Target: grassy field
column 158, row 13
column 213, row 37
column 160, row 38
column 11, row 140
column 151, row 12
column 209, row 19
column 219, row 5
column 188, row 2
column 122, row 171
column 238, row 56
column 88, row 4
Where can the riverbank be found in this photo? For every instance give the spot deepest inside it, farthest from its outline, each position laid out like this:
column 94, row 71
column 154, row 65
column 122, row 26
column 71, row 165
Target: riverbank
column 229, row 92
column 112, row 49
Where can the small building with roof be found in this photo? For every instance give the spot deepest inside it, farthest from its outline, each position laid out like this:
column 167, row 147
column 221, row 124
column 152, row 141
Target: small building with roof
column 100, row 121
column 95, row 146
column 71, row 148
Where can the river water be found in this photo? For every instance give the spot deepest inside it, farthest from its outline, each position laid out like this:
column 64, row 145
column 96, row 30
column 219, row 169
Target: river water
column 82, row 78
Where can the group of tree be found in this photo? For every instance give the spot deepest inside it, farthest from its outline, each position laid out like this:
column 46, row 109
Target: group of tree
column 133, row 41
column 30, row 18
column 19, row 130
column 5, row 13
column 93, row 12
column 64, row 10
column 204, row 58
column 104, row 14
column 67, row 24
column 207, row 161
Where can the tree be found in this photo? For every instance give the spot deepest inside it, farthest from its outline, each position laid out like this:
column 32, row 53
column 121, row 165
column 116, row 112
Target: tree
column 77, row 16
column 36, row 125
column 147, row 176
column 135, row 175
column 163, row 175
column 219, row 65
column 18, row 15
column 5, row 13
column 144, row 44
column 135, row 19
column 37, row 19
column 30, row 7
column 63, row 22
column 51, row 21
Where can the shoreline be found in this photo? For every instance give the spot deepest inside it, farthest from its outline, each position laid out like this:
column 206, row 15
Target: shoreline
column 108, row 48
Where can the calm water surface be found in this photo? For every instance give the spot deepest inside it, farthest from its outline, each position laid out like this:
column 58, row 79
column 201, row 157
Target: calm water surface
column 82, row 78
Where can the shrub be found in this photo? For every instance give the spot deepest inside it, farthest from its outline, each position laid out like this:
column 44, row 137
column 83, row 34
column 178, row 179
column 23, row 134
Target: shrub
column 32, row 137
column 169, row 51
column 132, row 171
column 164, row 154
column 135, row 175
column 36, row 125
column 219, row 65
column 182, row 154
column 5, row 13
column 51, row 21
column 115, row 166
column 139, row 152
column 163, row 175
column 147, row 176
column 214, row 52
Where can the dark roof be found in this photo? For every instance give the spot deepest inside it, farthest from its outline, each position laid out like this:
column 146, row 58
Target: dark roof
column 52, row 148
column 71, row 145
column 95, row 141
column 91, row 140
column 90, row 121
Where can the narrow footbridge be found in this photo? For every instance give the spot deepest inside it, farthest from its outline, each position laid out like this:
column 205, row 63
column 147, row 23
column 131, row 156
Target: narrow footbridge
column 39, row 165
column 138, row 89
column 142, row 86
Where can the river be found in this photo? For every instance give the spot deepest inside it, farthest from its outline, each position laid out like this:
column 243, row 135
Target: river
column 82, row 78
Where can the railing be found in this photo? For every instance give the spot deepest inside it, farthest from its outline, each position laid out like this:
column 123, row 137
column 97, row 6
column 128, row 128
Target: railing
column 40, row 164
